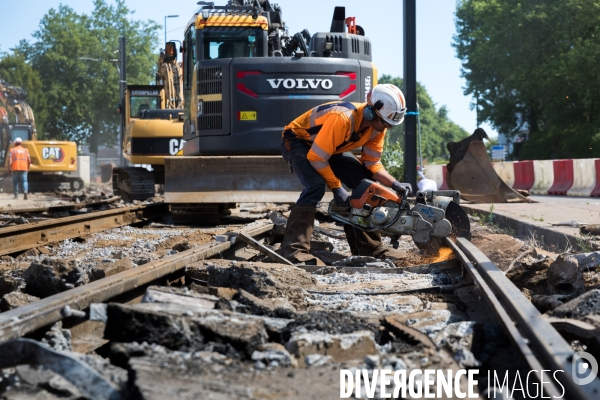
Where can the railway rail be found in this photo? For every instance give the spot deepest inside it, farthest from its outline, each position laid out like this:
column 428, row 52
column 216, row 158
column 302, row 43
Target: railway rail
column 538, row 343
column 62, row 208
column 27, row 236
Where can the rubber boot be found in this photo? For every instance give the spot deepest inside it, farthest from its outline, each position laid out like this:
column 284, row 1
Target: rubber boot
column 351, row 238
column 296, row 243
column 25, row 196
column 370, row 244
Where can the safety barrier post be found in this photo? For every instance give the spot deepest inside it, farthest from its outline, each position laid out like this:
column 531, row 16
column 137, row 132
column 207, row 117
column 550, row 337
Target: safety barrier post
column 543, row 173
column 524, row 175
column 596, row 190
column 584, row 177
column 437, row 172
column 563, row 177
column 505, row 171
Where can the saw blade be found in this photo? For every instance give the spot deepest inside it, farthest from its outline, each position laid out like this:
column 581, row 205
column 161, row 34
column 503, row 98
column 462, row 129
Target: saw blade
column 461, row 226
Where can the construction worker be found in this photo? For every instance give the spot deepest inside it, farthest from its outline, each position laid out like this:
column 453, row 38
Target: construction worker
column 19, row 162
column 317, row 146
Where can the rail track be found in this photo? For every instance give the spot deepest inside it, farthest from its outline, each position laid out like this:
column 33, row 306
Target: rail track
column 539, row 344
column 31, row 235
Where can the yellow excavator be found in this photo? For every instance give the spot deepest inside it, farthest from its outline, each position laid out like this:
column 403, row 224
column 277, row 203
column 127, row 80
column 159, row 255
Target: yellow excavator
column 49, row 159
column 153, row 131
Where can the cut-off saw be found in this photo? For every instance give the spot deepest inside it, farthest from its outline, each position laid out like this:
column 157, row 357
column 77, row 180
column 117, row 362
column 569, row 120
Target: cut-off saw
column 434, row 215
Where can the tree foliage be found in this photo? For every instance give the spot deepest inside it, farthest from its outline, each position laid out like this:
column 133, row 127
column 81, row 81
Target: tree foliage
column 436, row 131
column 532, row 64
column 76, row 56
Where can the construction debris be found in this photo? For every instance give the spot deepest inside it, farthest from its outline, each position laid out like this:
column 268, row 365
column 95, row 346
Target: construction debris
column 565, row 276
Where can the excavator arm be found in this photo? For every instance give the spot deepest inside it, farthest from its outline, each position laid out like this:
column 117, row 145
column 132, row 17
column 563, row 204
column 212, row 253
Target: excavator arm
column 12, row 98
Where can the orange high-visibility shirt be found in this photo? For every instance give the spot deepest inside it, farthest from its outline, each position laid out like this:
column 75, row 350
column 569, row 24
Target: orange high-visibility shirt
column 19, row 159
column 331, row 129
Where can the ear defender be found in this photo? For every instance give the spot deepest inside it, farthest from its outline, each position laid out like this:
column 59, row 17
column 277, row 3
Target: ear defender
column 369, row 111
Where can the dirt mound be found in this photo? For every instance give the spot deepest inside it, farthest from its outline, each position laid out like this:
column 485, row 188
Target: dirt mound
column 500, row 249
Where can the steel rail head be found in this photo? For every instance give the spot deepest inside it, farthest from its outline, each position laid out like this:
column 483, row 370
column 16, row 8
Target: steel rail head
column 28, row 236
column 22, row 320
column 550, row 347
column 516, row 338
column 63, row 207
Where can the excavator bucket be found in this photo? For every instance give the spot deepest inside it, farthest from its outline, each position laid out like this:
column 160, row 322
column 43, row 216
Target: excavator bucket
column 471, row 172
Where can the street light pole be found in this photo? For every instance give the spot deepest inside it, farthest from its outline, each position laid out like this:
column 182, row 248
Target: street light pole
column 122, row 88
column 168, row 16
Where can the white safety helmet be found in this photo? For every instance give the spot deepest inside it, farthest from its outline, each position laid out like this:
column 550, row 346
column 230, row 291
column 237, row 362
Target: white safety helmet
column 18, row 140
column 393, row 105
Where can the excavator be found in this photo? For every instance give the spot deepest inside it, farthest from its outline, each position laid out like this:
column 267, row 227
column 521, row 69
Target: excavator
column 153, row 130
column 50, row 160
column 244, row 78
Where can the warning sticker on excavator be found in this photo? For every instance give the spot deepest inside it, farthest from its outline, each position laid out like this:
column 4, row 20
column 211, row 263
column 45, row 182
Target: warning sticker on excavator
column 247, row 116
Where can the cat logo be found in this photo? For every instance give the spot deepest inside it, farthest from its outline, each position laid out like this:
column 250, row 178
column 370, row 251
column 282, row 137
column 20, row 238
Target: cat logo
column 175, row 146
column 53, row 153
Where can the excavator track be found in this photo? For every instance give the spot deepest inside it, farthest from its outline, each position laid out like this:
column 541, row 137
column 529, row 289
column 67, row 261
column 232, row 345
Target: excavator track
column 133, row 183
column 46, row 183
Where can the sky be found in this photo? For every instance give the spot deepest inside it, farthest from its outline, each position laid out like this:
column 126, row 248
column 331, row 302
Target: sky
column 438, row 69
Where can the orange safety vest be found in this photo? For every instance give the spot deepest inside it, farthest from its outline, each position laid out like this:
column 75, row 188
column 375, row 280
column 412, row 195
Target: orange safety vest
column 331, row 129
column 19, row 157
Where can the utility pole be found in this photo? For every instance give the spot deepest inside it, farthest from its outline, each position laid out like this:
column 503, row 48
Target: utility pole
column 410, row 92
column 122, row 88
column 168, row 16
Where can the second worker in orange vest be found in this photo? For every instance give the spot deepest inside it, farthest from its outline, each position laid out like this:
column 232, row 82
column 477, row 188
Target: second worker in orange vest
column 317, row 146
column 19, row 162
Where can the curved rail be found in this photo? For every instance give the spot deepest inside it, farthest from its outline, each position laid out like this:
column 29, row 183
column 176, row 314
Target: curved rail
column 541, row 346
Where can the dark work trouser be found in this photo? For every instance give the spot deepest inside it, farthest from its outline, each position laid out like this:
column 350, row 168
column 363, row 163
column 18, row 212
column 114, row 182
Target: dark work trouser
column 345, row 167
column 348, row 170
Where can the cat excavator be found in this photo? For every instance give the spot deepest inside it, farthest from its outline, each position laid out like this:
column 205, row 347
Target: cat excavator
column 49, row 159
column 153, row 129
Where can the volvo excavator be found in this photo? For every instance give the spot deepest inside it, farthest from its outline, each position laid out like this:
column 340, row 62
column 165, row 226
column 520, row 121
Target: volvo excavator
column 49, row 159
column 153, row 130
column 244, row 78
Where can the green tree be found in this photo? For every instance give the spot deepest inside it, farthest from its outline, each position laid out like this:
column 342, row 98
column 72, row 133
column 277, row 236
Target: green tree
column 436, row 130
column 533, row 65
column 75, row 55
column 15, row 71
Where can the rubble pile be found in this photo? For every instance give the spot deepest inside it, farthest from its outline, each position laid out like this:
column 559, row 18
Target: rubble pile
column 252, row 328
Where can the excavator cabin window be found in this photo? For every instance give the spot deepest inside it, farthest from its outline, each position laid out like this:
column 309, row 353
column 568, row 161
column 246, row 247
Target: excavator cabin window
column 21, row 132
column 142, row 103
column 232, row 42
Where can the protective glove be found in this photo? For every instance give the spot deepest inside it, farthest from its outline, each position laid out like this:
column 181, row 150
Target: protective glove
column 401, row 188
column 341, row 197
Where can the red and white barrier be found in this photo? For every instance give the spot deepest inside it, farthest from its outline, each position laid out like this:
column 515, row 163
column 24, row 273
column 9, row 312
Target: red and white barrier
column 596, row 189
column 524, row 176
column 505, row 171
column 584, row 177
column 563, row 177
column 543, row 173
column 571, row 177
column 437, row 172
